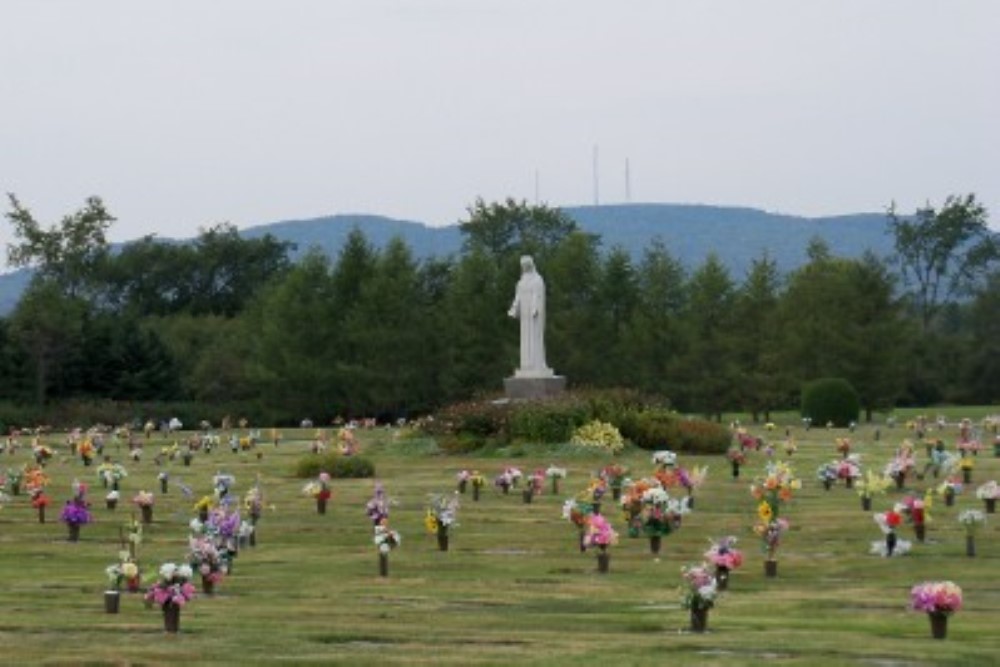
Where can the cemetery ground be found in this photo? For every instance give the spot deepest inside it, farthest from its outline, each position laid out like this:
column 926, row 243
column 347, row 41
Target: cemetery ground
column 514, row 586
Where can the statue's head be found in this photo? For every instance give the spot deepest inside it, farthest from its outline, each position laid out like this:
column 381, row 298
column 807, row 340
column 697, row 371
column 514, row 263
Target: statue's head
column 527, row 264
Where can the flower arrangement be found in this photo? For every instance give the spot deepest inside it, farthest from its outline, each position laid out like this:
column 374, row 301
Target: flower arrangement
column 42, row 453
column 463, row 478
column 555, row 474
column 319, row 488
column 988, row 491
column 599, row 533
column 664, row 458
column 972, row 520
column 949, row 488
column 724, row 554
column 204, row 505
column 111, row 473
column 790, row 447
column 967, row 447
column 936, row 597
column 173, row 586
column 843, row 446
column 902, row 464
column 849, row 469
column 614, row 475
column 827, row 473
column 253, row 501
column 507, row 479
column 222, row 483
column 872, row 484
column 736, row 456
column 700, row 587
column 478, row 481
column 772, row 491
column 891, row 545
column 576, row 512
column 442, row 512
column 120, row 572
column 14, row 479
column 206, row 559
column 377, row 508
column 386, row 539
column 746, row 441
column 599, row 435
column 659, row 514
column 915, row 509
column 86, row 451
column 143, row 499
column 76, row 512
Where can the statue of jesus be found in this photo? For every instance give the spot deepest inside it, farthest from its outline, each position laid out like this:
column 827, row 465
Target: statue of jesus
column 529, row 307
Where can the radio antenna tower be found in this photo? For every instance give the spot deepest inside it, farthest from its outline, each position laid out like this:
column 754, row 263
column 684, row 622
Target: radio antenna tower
column 597, row 189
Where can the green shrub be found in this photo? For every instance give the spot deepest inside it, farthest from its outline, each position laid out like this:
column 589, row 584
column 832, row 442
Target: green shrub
column 547, row 421
column 339, row 467
column 660, row 429
column 830, row 400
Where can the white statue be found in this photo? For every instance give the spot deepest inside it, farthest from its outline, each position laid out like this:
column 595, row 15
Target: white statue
column 529, row 307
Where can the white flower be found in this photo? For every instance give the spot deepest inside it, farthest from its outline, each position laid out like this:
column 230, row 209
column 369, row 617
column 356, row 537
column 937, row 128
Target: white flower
column 665, row 457
column 184, row 571
column 167, row 571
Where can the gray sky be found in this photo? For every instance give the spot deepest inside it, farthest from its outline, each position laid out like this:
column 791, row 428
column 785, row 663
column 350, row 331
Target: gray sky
column 186, row 113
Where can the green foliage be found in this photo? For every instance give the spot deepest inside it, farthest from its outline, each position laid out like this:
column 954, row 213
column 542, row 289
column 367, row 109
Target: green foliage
column 547, row 421
column 830, row 400
column 659, row 429
column 338, row 466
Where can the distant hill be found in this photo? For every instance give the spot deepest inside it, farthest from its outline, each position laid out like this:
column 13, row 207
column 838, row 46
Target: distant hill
column 690, row 232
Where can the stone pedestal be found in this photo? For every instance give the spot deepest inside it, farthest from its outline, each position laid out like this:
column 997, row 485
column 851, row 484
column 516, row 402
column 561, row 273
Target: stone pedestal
column 540, row 387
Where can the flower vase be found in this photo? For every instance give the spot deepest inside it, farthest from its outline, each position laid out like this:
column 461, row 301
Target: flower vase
column 163, row 486
column 597, row 508
column 15, row 489
column 475, row 492
column 949, row 498
column 736, row 470
column 770, row 568
column 321, row 505
column 461, row 486
column 616, row 493
column 187, row 460
column 690, row 501
column 527, row 496
column 171, row 618
column 849, row 483
column 207, row 585
column 132, row 584
column 111, row 504
column 603, row 562
column 722, row 577
column 970, row 546
column 939, row 624
column 655, row 542
column 699, row 619
column 74, row 532
column 900, row 479
column 41, row 514
column 442, row 537
column 890, row 543
column 866, row 503
column 582, row 541
column 383, row 565
column 555, row 486
column 147, row 514
column 967, row 475
column 920, row 529
column 505, row 488
column 991, row 505
column 203, row 515
column 827, row 484
column 111, row 601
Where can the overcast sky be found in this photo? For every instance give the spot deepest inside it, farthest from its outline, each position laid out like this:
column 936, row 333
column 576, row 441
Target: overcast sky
column 186, row 113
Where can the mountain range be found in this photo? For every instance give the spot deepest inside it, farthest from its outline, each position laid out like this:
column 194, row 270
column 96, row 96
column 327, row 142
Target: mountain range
column 689, row 231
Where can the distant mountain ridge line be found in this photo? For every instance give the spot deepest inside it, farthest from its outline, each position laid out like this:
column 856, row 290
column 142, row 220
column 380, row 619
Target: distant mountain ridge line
column 737, row 235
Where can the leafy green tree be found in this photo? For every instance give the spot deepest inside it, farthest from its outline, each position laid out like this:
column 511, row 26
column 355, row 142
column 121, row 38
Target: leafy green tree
column 763, row 387
column 47, row 325
column 68, row 253
column 708, row 365
column 512, row 228
column 943, row 253
column 574, row 324
column 981, row 368
column 617, row 301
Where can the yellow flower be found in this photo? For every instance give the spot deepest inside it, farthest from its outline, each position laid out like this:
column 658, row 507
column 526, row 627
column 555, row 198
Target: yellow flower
column 130, row 570
column 431, row 522
column 764, row 511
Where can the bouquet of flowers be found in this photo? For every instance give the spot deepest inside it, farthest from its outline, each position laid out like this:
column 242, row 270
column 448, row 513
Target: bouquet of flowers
column 827, row 473
column 377, row 508
column 319, row 488
column 119, row 572
column 948, row 489
column 206, row 559
column 386, row 539
column 143, row 499
column 222, row 483
column 35, row 481
column 463, row 478
column 253, row 501
column 664, row 458
column 599, row 533
column 936, row 597
column 790, row 447
column 86, row 451
column 773, row 491
column 555, row 474
column 902, row 464
column 724, row 554
column 872, row 484
column 888, row 522
column 507, row 479
column 843, row 446
column 746, row 441
column 988, row 491
column 173, row 586
column 659, row 514
column 76, row 512
column 203, row 506
column 700, row 587
column 14, row 479
column 849, row 469
column 42, row 453
column 442, row 512
column 111, row 474
column 972, row 520
column 736, row 458
column 967, row 447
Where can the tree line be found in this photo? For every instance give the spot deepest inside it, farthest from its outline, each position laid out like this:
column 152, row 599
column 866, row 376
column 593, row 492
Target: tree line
column 225, row 320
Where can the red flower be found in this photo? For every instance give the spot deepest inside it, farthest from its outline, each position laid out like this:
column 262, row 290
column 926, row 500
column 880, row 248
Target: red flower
column 893, row 519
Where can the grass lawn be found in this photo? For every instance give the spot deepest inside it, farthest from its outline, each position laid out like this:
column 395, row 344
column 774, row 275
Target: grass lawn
column 514, row 587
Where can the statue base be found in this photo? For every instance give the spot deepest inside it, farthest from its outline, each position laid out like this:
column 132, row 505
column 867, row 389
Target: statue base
column 528, row 388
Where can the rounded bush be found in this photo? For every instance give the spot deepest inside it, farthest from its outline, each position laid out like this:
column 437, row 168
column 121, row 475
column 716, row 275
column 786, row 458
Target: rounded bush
column 338, row 467
column 830, row 401
column 660, row 429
